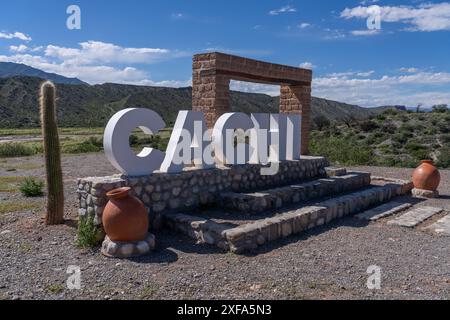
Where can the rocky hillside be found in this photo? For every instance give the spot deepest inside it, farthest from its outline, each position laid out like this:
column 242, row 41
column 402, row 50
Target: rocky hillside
column 91, row 106
column 392, row 138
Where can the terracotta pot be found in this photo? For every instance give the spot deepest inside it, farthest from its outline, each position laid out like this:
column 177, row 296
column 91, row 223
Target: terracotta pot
column 426, row 176
column 125, row 217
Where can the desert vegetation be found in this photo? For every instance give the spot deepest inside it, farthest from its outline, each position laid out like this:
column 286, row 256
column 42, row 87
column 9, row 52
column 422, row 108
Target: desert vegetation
column 393, row 138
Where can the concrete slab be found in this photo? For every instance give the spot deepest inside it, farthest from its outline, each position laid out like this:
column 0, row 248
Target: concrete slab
column 441, row 226
column 383, row 211
column 415, row 216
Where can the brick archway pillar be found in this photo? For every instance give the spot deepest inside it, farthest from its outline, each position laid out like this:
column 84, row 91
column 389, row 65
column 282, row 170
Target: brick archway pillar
column 211, row 75
column 297, row 99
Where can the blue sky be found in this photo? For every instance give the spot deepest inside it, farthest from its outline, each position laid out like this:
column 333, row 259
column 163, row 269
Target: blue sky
column 152, row 43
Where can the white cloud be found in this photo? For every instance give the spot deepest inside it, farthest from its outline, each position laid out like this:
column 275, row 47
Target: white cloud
column 95, row 62
column 365, row 74
column 366, row 2
column 251, row 87
column 409, row 70
column 304, row 25
column 307, row 65
column 15, row 35
column 285, row 9
column 177, row 16
column 424, row 17
column 100, row 52
column 23, row 48
column 20, row 48
column 409, row 89
column 365, row 32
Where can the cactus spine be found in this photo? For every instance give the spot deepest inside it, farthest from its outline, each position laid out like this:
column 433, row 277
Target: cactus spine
column 55, row 187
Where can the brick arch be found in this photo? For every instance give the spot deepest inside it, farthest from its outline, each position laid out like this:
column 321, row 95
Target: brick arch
column 211, row 77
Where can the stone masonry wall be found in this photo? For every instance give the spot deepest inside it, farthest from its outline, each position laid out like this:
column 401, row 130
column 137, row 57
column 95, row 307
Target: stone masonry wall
column 167, row 192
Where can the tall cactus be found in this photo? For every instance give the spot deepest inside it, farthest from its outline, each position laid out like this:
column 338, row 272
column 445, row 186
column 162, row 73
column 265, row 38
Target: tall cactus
column 55, row 187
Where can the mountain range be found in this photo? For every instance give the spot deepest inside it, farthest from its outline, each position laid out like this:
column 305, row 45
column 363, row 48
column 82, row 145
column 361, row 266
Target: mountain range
column 83, row 105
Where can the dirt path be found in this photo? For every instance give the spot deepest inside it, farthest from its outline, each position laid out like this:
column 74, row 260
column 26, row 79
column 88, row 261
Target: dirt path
column 325, row 263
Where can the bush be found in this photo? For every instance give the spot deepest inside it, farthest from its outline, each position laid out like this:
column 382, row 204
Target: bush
column 16, row 150
column 321, row 122
column 444, row 158
column 31, row 187
column 96, row 141
column 342, row 150
column 368, row 125
column 133, row 140
column 445, row 138
column 85, row 146
column 418, row 151
column 441, row 108
column 88, row 233
column 402, row 137
column 389, row 127
column 390, row 111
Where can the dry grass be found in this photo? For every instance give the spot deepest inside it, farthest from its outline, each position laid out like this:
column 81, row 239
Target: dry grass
column 10, row 206
column 10, row 183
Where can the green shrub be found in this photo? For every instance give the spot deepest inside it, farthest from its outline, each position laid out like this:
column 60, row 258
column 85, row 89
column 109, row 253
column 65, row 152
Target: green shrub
column 342, row 150
column 389, row 127
column 401, row 138
column 441, row 108
column 133, row 140
column 443, row 127
column 444, row 158
column 445, row 138
column 88, row 233
column 85, row 146
column 418, row 151
column 391, row 112
column 368, row 125
column 16, row 150
column 31, row 187
column 96, row 141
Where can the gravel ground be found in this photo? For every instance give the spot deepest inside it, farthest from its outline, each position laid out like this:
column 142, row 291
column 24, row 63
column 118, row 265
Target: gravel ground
column 325, row 263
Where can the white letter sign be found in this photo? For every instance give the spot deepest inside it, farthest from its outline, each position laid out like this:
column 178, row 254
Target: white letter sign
column 117, row 145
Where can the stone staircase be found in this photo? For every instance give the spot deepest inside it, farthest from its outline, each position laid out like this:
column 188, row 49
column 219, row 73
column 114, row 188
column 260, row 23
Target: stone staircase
column 244, row 221
column 276, row 198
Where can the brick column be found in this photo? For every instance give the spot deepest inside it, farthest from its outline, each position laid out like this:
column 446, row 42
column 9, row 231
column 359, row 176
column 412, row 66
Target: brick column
column 210, row 92
column 297, row 99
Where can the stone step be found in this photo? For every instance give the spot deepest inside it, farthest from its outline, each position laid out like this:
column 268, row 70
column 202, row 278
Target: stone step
column 276, row 198
column 383, row 211
column 415, row 216
column 240, row 238
column 335, row 171
column 442, row 226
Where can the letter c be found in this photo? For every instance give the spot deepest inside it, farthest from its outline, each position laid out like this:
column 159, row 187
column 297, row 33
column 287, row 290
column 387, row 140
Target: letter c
column 117, row 146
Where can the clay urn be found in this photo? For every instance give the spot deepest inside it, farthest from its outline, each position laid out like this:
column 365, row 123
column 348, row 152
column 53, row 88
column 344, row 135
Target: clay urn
column 125, row 217
column 426, row 176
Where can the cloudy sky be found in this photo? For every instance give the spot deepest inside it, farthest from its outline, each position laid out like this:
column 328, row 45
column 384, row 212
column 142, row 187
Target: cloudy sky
column 403, row 59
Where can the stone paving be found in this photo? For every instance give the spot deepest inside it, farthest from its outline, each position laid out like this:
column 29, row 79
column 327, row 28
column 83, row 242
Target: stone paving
column 415, row 216
column 383, row 211
column 442, row 226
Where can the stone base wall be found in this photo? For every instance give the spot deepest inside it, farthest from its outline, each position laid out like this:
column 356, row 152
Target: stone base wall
column 167, row 192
